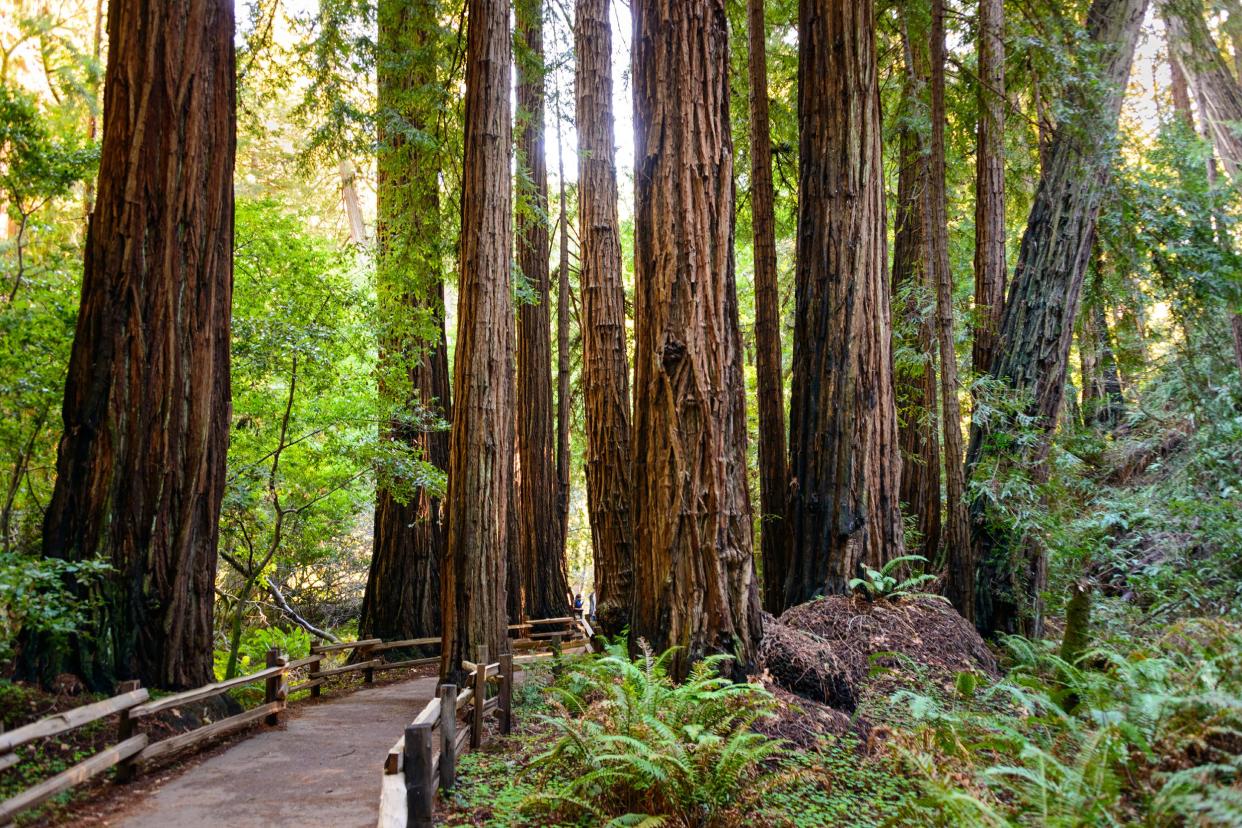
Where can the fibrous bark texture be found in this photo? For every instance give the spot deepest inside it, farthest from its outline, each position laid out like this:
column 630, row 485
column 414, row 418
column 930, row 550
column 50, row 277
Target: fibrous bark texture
column 473, row 580
column 605, row 367
column 694, row 575
column 845, row 462
column 989, row 185
column 1196, row 54
column 402, row 598
column 1038, row 321
column 141, row 464
column 915, row 375
column 959, row 586
column 545, row 585
column 773, row 466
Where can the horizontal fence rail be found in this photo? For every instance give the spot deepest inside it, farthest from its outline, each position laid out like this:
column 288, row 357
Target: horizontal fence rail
column 424, row 759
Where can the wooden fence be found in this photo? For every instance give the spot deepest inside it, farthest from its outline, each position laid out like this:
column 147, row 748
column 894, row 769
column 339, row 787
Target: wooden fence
column 134, row 749
column 414, row 769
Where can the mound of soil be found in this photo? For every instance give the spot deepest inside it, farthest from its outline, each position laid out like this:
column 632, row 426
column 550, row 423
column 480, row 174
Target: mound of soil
column 805, row 664
column 836, row 649
column 802, row 721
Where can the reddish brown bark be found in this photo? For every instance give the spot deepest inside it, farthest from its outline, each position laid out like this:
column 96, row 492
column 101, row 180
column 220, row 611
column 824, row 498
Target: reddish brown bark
column 1195, row 52
column 773, row 468
column 989, row 186
column 843, row 424
column 915, row 378
column 694, row 585
column 959, row 585
column 545, row 586
column 1038, row 320
column 402, row 597
column 563, row 400
column 605, row 369
column 141, row 465
column 473, row 580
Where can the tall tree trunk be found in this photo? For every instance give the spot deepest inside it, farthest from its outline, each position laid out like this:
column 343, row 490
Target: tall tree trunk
column 474, row 578
column 843, row 422
column 141, row 464
column 402, row 598
column 694, row 574
column 914, row 377
column 545, row 584
column 563, row 403
column 773, row 468
column 1195, row 52
column 605, row 368
column 989, row 185
column 958, row 554
column 1038, row 320
column 1113, row 410
column 1092, row 386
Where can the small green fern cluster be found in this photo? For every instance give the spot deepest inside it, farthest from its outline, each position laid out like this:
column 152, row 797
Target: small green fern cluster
column 634, row 748
column 1149, row 736
column 885, row 583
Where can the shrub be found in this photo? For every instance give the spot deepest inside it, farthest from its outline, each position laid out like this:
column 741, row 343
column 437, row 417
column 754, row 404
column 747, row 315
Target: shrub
column 636, row 748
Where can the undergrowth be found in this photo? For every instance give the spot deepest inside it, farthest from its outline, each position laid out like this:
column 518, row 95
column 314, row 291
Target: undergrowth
column 1134, row 733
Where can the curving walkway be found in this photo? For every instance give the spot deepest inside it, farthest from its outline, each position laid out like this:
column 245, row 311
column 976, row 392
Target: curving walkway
column 324, row 767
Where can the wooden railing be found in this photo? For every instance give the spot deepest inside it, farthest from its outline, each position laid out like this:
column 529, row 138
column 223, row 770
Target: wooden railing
column 413, row 769
column 134, row 749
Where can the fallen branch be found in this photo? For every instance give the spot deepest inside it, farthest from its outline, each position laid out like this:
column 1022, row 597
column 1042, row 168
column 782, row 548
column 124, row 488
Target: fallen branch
column 279, row 598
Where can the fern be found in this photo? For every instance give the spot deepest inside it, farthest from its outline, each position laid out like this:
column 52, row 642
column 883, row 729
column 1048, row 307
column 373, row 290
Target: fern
column 638, row 749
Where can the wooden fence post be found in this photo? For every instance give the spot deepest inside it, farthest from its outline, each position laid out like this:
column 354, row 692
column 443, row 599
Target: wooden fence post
column 419, row 787
column 125, row 727
column 506, row 693
column 448, row 735
column 315, row 667
column 275, row 688
column 480, row 698
column 368, row 675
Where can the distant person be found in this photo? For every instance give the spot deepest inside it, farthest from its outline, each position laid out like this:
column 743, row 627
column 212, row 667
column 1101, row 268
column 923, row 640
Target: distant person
column 591, row 608
column 578, row 604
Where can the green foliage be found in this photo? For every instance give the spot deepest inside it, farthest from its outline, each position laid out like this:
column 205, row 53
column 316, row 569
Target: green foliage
column 294, row 642
column 884, row 584
column 635, row 748
column 35, row 165
column 35, row 597
column 835, row 784
column 1145, row 731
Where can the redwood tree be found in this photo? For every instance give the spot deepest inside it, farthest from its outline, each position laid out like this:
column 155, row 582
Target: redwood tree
column 141, row 464
column 605, row 368
column 694, row 575
column 1038, row 320
column 402, row 598
column 773, row 468
column 1199, row 59
column 545, row 586
column 914, row 377
column 473, row 579
column 843, row 424
column 959, row 584
column 989, row 185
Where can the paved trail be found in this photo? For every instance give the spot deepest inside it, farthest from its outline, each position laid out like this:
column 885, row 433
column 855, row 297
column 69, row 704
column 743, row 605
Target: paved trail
column 323, row 769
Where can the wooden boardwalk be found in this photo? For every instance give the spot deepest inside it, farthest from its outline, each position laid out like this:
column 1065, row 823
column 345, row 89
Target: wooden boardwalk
column 324, row 767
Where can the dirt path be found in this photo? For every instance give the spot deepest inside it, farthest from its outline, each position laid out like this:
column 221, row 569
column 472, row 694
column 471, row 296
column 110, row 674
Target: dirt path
column 323, row 768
